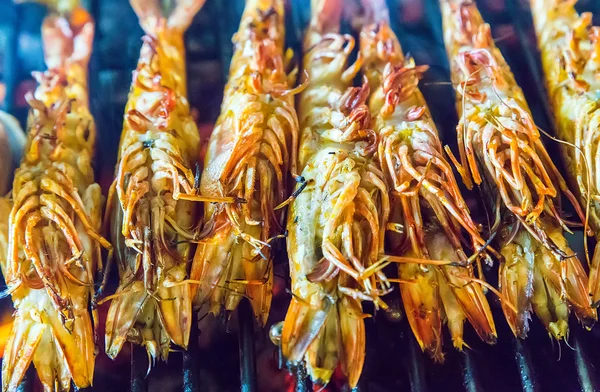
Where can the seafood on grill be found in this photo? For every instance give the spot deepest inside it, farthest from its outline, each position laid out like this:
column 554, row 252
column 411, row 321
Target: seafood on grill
column 54, row 246
column 152, row 203
column 501, row 152
column 250, row 155
column 570, row 48
column 336, row 224
column 426, row 201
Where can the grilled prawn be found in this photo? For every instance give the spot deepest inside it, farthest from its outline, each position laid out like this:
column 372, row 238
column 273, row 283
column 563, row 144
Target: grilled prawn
column 250, row 154
column 501, row 150
column 336, row 224
column 424, row 196
column 53, row 250
column 570, row 49
column 152, row 209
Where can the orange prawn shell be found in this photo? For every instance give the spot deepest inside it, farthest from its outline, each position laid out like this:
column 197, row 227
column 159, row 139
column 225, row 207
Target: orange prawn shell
column 570, row 52
column 152, row 209
column 497, row 130
column 250, row 155
column 427, row 200
column 57, row 207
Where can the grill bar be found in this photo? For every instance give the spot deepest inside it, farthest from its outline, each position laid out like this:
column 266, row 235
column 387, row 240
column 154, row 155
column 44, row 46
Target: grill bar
column 247, row 352
column 526, row 372
column 139, row 383
column 191, row 369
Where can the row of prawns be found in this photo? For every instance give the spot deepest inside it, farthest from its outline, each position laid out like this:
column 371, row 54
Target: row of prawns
column 380, row 188
column 167, row 262
column 373, row 187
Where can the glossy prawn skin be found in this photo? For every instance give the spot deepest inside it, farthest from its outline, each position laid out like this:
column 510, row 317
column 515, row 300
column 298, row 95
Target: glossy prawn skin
column 570, row 49
column 425, row 197
column 151, row 202
column 500, row 149
column 53, row 248
column 250, row 155
column 336, row 224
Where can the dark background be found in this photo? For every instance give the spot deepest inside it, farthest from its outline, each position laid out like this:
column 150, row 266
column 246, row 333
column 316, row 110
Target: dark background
column 394, row 361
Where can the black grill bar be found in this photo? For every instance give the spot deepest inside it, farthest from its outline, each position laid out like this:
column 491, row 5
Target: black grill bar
column 139, row 368
column 526, row 372
column 587, row 377
column 414, row 363
column 248, row 380
column 191, row 368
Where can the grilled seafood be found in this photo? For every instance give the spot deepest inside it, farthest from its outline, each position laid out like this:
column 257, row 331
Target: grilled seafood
column 250, row 153
column 152, row 209
column 336, row 224
column 54, row 249
column 424, row 196
column 573, row 81
column 501, row 150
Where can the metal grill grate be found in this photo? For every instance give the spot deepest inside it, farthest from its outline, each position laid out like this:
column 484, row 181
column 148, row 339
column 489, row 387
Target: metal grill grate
column 224, row 361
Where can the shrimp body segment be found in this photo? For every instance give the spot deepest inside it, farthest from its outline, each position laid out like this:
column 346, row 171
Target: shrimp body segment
column 425, row 197
column 573, row 81
column 53, row 249
column 250, row 155
column 336, row 224
column 151, row 202
column 501, row 150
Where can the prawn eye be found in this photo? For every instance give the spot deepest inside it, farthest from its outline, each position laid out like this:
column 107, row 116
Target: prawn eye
column 148, row 143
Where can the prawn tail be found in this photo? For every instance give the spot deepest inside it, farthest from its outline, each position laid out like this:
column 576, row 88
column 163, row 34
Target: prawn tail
column 68, row 39
column 124, row 311
column 59, row 355
column 575, row 283
column 22, row 344
column 51, row 369
column 327, row 338
column 324, row 354
column 151, row 15
column 352, row 329
column 454, row 314
column 74, row 347
column 476, row 308
column 423, row 308
column 209, row 264
column 516, row 283
column 302, row 326
column 176, row 313
column 260, row 289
